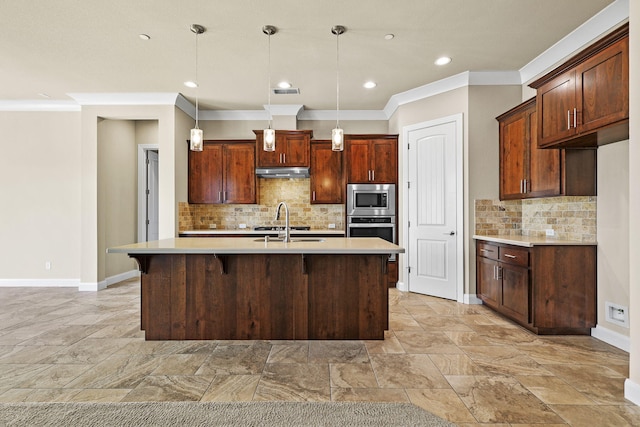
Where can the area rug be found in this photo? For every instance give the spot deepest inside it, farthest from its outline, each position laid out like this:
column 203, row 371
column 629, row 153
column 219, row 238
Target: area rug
column 287, row 414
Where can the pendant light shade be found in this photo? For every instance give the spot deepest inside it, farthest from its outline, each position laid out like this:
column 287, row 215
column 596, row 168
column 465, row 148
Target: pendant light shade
column 196, row 138
column 337, row 134
column 269, row 135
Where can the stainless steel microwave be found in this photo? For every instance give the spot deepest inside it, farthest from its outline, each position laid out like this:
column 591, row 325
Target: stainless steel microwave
column 371, row 199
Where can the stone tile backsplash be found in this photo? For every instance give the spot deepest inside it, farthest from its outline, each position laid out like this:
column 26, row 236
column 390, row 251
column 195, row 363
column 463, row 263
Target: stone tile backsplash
column 571, row 218
column 295, row 192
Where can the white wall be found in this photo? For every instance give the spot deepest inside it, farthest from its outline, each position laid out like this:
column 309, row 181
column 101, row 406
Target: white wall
column 632, row 386
column 613, row 230
column 39, row 198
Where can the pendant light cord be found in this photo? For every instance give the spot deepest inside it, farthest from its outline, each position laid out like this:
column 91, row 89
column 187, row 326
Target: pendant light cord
column 337, row 80
column 269, row 79
column 197, row 82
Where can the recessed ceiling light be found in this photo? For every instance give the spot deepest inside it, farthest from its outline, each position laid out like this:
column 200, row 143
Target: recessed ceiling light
column 144, row 36
column 443, row 60
column 284, row 85
column 370, row 85
column 191, row 84
column 389, row 36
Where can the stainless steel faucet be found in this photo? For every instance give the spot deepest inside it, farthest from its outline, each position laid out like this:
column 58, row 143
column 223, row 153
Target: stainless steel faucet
column 287, row 234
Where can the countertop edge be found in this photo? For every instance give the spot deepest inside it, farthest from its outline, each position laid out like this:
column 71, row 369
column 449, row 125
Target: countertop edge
column 529, row 241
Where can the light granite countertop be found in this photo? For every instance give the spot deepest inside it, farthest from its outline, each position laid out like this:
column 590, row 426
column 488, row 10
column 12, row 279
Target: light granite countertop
column 530, row 241
column 253, row 245
column 252, row 232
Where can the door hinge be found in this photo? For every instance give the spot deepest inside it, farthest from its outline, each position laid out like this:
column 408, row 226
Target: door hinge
column 408, row 146
column 147, row 222
column 409, row 269
column 147, row 160
column 147, row 190
column 408, row 224
column 408, row 184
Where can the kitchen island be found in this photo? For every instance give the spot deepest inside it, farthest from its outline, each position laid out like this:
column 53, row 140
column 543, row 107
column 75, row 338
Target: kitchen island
column 252, row 288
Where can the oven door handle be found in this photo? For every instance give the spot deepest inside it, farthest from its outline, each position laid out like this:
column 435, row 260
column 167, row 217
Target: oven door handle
column 383, row 225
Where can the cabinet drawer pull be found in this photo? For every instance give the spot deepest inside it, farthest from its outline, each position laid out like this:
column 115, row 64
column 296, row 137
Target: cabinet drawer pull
column 486, row 250
column 510, row 256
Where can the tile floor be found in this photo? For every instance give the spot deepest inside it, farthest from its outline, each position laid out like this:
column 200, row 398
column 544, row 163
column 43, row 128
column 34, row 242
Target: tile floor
column 463, row 363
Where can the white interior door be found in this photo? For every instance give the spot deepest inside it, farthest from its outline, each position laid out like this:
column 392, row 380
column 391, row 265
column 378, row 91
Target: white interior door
column 433, row 209
column 152, row 195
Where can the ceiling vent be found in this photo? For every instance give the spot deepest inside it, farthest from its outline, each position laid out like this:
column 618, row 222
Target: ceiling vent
column 287, row 91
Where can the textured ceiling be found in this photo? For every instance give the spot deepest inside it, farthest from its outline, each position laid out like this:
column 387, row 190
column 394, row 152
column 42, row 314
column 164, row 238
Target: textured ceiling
column 88, row 46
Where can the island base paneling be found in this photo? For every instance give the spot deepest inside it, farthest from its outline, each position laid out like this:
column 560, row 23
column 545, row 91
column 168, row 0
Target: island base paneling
column 263, row 296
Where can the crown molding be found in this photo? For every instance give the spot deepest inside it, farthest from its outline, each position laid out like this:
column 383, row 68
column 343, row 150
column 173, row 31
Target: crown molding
column 39, row 105
column 347, row 115
column 607, row 20
column 126, row 98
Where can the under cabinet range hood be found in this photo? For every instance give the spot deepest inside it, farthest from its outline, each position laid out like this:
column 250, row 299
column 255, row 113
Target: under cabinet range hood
column 286, row 172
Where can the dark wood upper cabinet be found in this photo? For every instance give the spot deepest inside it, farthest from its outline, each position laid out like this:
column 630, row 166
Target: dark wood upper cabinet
column 525, row 170
column 292, row 149
column 529, row 172
column 326, row 174
column 585, row 101
column 372, row 159
column 223, row 172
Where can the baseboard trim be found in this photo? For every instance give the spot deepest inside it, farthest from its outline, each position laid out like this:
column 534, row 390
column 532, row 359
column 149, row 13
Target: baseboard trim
column 39, row 283
column 471, row 299
column 402, row 287
column 632, row 391
column 610, row 337
column 117, row 278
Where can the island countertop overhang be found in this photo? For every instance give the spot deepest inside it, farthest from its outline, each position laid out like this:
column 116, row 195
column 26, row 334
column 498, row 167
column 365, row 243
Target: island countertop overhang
column 249, row 245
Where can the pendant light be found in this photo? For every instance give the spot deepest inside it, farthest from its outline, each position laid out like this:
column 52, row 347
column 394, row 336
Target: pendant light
column 195, row 143
column 269, row 135
column 337, row 134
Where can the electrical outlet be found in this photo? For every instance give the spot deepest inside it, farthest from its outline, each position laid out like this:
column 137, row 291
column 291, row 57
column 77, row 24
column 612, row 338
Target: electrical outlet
column 332, row 226
column 212, row 226
column 242, row 225
column 616, row 314
column 550, row 232
column 47, row 265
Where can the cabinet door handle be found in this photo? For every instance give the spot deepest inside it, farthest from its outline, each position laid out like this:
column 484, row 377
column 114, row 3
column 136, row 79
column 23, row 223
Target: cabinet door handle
column 568, row 119
column 314, row 196
column 284, row 157
column 510, row 256
column 224, row 195
column 575, row 117
column 525, row 187
column 369, row 175
column 219, row 196
column 373, row 175
column 499, row 270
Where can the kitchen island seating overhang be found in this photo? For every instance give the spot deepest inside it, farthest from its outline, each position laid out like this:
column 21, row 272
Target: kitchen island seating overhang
column 240, row 288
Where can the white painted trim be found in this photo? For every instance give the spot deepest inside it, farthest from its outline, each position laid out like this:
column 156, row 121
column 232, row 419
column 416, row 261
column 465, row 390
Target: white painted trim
column 632, row 391
column 128, row 98
column 597, row 26
column 92, row 286
column 121, row 277
column 142, row 180
column 284, row 109
column 426, row 91
column 402, row 286
column 472, row 299
column 187, row 107
column 37, row 105
column 494, row 78
column 458, row 120
column 346, row 115
column 241, row 115
column 613, row 338
column 39, row 283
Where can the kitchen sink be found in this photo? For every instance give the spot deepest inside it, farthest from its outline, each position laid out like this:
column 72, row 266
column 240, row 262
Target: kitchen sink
column 294, row 240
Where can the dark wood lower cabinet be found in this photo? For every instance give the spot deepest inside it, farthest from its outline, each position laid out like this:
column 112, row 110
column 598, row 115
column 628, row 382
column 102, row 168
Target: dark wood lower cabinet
column 549, row 289
column 260, row 296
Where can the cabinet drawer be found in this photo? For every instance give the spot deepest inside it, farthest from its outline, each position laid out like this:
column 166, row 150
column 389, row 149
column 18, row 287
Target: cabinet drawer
column 513, row 255
column 487, row 250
